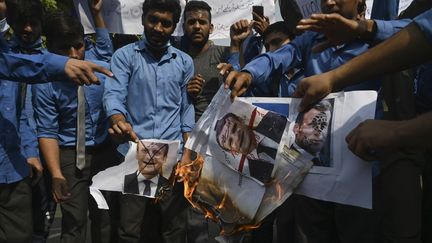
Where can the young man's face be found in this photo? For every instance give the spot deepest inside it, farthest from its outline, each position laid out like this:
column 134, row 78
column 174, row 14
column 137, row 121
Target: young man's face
column 275, row 40
column 309, row 136
column 346, row 8
column 197, row 26
column 151, row 158
column 236, row 137
column 27, row 31
column 158, row 27
column 72, row 48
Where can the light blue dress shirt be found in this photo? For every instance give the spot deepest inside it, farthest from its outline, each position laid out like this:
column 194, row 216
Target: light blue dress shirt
column 55, row 107
column 102, row 49
column 150, row 93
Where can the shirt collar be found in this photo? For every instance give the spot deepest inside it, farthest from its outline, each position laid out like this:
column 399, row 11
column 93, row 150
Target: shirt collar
column 169, row 53
column 154, row 179
column 17, row 44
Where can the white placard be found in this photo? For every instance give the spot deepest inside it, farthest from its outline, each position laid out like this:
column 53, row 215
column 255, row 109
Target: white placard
column 121, row 16
column 124, row 16
column 227, row 12
column 308, row 7
column 403, row 4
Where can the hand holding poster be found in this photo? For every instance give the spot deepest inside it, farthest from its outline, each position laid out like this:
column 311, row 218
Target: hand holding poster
column 250, row 168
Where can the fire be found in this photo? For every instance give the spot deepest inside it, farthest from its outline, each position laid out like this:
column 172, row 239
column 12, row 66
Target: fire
column 189, row 173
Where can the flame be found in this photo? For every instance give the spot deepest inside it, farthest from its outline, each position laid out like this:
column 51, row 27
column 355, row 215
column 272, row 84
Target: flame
column 190, row 173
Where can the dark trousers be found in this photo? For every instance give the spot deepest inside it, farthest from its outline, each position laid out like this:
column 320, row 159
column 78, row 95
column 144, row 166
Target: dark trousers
column 427, row 199
column 74, row 210
column 399, row 197
column 16, row 224
column 285, row 221
column 327, row 222
column 144, row 220
column 44, row 208
column 200, row 229
column 104, row 223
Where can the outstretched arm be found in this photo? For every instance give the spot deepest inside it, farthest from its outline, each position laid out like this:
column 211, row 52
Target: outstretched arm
column 407, row 48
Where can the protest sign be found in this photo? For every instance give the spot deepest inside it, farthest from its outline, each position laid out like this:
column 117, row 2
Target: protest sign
column 403, row 4
column 120, row 16
column 124, row 16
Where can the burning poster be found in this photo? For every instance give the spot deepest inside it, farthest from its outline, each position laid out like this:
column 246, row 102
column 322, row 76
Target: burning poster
column 247, row 164
column 146, row 168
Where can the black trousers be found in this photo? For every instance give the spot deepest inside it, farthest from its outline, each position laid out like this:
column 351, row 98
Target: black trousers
column 16, row 224
column 327, row 222
column 74, row 211
column 144, row 220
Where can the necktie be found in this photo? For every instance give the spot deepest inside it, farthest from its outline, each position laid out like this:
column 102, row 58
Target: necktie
column 147, row 188
column 80, row 144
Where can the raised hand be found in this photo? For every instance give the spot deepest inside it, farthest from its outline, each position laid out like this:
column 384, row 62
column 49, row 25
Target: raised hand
column 338, row 29
column 260, row 24
column 194, row 86
column 95, row 5
column 240, row 30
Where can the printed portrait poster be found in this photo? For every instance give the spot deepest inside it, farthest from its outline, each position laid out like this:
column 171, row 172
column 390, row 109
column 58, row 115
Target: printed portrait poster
column 319, row 134
column 247, row 138
column 271, row 169
column 310, row 131
column 146, row 168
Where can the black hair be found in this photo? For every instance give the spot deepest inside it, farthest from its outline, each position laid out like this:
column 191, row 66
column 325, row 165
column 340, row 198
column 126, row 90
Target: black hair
column 166, row 5
column 197, row 5
column 221, row 123
column 280, row 27
column 24, row 10
column 62, row 27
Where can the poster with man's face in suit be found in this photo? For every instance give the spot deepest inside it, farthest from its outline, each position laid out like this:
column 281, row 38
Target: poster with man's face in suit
column 247, row 139
column 145, row 170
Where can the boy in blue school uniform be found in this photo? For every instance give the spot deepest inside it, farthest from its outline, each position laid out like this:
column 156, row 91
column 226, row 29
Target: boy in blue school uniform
column 71, row 139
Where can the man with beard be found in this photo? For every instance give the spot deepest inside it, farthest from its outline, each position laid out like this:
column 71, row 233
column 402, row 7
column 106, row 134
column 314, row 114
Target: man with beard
column 318, row 221
column 206, row 56
column 147, row 99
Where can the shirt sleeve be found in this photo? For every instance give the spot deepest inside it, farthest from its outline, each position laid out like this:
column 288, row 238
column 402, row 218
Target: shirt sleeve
column 187, row 112
column 266, row 65
column 103, row 48
column 386, row 29
column 424, row 22
column 116, row 88
column 46, row 114
column 234, row 60
column 32, row 68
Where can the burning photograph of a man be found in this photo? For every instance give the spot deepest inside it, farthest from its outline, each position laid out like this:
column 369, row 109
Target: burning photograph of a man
column 150, row 157
column 254, row 139
column 311, row 131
